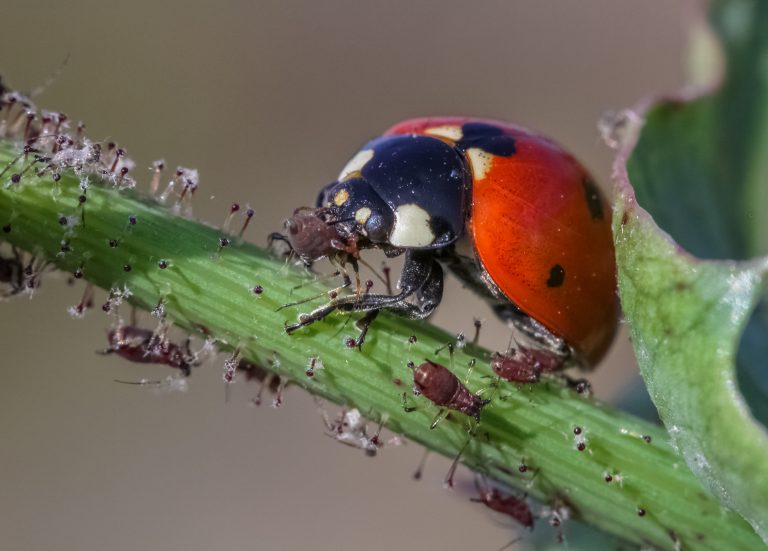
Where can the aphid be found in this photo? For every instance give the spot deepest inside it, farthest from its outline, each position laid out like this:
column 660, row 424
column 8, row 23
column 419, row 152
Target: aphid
column 443, row 388
column 349, row 428
column 266, row 379
column 312, row 235
column 514, row 507
column 16, row 276
column 510, row 212
column 525, row 365
column 140, row 345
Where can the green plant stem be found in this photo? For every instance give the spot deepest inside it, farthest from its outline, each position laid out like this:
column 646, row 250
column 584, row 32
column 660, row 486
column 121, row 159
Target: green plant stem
column 211, row 290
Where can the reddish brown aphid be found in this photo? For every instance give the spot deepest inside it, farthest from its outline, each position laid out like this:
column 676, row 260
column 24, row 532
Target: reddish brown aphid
column 12, row 277
column 140, row 345
column 525, row 365
column 266, row 379
column 443, row 388
column 16, row 276
column 313, row 237
column 507, row 504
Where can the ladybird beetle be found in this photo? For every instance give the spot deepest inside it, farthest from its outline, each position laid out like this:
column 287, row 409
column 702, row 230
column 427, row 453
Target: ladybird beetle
column 507, row 210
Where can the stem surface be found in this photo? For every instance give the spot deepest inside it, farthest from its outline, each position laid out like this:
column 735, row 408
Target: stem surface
column 652, row 497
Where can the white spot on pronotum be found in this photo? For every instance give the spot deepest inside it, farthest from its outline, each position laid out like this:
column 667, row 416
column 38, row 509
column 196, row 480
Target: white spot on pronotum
column 449, row 131
column 356, row 164
column 362, row 215
column 481, row 162
column 411, row 227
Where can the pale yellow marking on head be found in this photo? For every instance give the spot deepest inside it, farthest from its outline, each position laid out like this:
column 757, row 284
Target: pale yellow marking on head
column 341, row 197
column 411, row 227
column 356, row 164
column 362, row 215
column 449, row 131
column 481, row 162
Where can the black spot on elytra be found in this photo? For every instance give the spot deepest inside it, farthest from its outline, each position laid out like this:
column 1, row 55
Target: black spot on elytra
column 487, row 137
column 592, row 195
column 556, row 276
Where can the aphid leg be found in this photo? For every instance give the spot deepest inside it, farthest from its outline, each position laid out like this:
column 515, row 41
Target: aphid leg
column 157, row 170
column 471, row 368
column 249, row 212
column 278, row 400
column 417, row 474
column 478, row 325
column 381, row 278
column 387, row 271
column 442, row 414
column 406, row 407
column 232, row 211
column 86, row 302
column 448, row 481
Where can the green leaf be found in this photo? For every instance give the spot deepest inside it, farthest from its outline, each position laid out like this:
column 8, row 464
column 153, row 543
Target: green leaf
column 698, row 165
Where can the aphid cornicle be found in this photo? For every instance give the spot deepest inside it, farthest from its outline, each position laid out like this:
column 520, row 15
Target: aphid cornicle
column 507, row 210
column 443, row 388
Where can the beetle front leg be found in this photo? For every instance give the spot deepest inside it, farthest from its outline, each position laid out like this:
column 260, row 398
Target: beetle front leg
column 422, row 277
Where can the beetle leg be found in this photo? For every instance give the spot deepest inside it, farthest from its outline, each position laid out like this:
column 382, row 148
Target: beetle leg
column 363, row 324
column 422, row 277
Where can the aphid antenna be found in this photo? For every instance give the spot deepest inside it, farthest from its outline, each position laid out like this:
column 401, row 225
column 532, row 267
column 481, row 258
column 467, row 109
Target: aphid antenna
column 510, row 543
column 316, row 279
column 300, row 302
column 10, row 164
column 140, row 382
column 52, row 78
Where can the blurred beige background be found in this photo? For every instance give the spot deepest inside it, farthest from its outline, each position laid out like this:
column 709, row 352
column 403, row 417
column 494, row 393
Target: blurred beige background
column 268, row 100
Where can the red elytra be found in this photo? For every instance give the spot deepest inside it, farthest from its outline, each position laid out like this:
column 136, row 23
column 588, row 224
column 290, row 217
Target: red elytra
column 542, row 231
